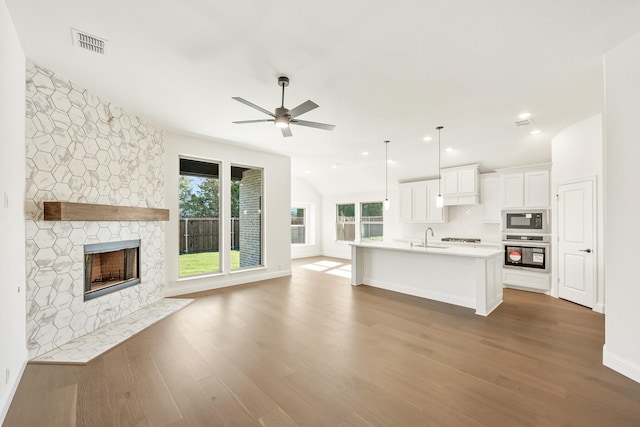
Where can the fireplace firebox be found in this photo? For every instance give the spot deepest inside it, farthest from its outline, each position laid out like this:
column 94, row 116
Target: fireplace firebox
column 110, row 267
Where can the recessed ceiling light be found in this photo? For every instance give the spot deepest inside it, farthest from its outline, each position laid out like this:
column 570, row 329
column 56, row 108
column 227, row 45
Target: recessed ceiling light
column 448, row 149
column 336, row 165
column 389, row 161
column 427, row 138
column 307, row 172
column 524, row 116
column 365, row 153
column 535, row 132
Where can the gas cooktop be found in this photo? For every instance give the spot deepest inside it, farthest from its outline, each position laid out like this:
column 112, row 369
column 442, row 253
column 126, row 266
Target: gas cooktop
column 460, row 240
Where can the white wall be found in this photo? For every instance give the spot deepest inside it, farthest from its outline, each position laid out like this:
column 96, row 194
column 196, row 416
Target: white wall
column 303, row 195
column 577, row 152
column 276, row 205
column 622, row 175
column 13, row 349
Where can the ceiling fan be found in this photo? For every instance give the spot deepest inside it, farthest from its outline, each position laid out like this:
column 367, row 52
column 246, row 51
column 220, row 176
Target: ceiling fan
column 284, row 117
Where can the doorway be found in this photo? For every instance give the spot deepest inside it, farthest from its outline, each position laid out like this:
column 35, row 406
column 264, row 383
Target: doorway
column 576, row 243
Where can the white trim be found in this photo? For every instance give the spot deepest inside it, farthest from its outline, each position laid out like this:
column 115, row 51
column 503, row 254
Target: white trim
column 620, row 365
column 230, row 281
column 13, row 387
column 338, row 255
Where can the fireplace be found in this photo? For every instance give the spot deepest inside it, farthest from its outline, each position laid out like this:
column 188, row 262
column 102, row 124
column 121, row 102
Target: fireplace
column 110, row 267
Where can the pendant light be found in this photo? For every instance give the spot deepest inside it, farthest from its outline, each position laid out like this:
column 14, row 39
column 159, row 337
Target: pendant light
column 439, row 199
column 386, row 175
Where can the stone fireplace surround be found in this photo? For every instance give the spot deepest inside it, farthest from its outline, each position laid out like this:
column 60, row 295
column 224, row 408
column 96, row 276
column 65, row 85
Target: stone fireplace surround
column 80, row 148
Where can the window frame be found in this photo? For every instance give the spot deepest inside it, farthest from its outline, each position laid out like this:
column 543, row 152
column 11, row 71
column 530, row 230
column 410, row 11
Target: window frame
column 362, row 222
column 304, row 225
column 262, row 216
column 220, row 229
column 344, row 223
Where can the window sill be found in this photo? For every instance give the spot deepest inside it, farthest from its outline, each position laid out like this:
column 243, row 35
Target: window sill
column 246, row 269
column 186, row 279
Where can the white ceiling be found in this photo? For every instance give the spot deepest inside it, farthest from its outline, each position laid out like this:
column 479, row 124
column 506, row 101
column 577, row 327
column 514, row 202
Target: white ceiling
column 378, row 69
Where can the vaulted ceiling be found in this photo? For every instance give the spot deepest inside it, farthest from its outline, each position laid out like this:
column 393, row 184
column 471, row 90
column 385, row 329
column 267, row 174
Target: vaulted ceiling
column 379, row 70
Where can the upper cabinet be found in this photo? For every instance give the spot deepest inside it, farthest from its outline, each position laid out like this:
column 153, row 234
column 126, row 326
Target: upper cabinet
column 525, row 187
column 418, row 203
column 460, row 185
column 490, row 197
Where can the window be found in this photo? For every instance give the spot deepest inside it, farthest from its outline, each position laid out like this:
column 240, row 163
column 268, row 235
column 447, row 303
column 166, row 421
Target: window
column 346, row 222
column 298, row 226
column 371, row 221
column 199, row 203
column 246, row 217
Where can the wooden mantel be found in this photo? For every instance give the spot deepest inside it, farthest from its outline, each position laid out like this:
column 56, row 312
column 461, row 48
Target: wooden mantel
column 69, row 211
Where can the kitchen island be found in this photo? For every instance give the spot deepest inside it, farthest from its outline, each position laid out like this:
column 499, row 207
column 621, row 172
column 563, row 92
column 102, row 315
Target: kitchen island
column 465, row 276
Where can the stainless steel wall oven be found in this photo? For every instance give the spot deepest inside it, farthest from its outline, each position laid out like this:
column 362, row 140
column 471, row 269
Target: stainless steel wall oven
column 530, row 252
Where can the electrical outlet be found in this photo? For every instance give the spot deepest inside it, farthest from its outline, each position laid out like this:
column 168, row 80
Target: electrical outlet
column 6, row 200
column 8, row 376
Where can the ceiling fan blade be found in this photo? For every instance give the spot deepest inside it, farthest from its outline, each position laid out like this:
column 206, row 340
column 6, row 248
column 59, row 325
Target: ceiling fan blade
column 242, row 122
column 286, row 132
column 313, row 124
column 252, row 105
column 302, row 108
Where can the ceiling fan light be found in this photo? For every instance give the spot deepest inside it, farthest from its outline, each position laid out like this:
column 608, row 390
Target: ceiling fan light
column 282, row 122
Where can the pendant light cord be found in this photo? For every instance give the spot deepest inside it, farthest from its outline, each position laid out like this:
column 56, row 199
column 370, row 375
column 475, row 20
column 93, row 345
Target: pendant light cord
column 439, row 174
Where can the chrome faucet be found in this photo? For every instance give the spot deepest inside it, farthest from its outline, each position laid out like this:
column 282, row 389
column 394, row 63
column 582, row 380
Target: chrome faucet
column 425, row 235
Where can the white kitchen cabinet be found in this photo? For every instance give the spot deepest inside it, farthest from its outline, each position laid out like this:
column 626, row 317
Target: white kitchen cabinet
column 523, row 279
column 490, row 197
column 536, row 189
column 512, row 190
column 526, row 187
column 460, row 185
column 434, row 213
column 418, row 203
column 406, row 204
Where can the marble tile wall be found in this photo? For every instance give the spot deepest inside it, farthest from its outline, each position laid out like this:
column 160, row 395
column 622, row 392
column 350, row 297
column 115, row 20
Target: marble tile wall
column 81, row 148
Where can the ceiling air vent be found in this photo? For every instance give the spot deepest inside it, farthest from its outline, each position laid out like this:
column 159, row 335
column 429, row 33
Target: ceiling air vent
column 525, row 122
column 89, row 42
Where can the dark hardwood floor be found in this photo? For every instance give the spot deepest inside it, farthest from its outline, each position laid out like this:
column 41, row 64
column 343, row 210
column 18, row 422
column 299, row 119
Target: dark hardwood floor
column 312, row 350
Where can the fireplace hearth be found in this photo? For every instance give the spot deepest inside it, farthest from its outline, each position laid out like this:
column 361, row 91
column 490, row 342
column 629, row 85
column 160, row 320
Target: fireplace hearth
column 110, row 267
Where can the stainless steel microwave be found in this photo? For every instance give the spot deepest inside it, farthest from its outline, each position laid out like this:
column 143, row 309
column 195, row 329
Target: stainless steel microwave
column 526, row 221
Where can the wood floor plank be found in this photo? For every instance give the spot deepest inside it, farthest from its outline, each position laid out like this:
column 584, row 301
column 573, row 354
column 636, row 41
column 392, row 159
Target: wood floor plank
column 313, row 350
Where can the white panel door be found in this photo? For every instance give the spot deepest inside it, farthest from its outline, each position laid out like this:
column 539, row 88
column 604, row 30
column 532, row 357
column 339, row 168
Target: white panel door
column 576, row 245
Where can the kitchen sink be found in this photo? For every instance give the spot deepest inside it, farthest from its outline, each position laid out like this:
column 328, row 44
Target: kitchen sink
column 420, row 245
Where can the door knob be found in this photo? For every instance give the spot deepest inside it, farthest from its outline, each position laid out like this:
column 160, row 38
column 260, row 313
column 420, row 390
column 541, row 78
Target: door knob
column 586, row 250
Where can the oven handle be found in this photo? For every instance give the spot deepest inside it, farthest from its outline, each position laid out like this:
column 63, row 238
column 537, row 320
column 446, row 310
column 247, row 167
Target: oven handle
column 525, row 244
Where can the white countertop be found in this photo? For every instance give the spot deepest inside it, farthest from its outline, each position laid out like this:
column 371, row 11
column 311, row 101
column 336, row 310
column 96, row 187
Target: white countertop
column 439, row 248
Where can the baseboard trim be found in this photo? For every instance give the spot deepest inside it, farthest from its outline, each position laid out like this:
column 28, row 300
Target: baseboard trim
column 599, row 308
column 620, row 365
column 307, row 255
column 209, row 284
column 6, row 403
